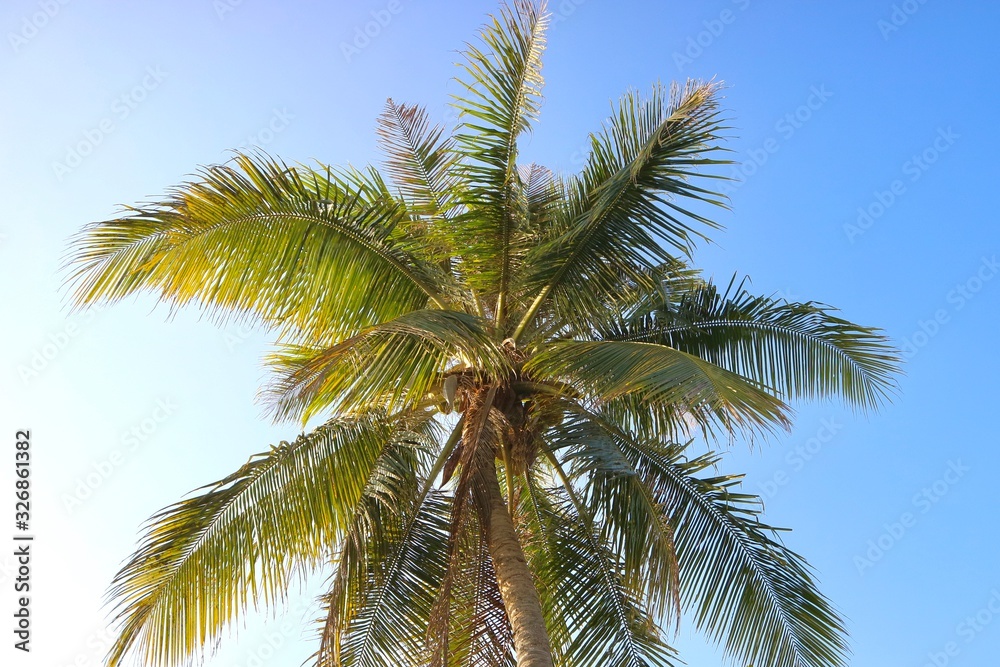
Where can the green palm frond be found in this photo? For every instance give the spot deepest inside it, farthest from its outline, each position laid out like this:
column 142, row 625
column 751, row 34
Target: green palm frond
column 606, row 623
column 633, row 296
column 624, row 204
column 634, row 523
column 799, row 350
column 387, row 614
column 543, row 200
column 420, row 160
column 393, row 365
column 383, row 520
column 543, row 196
column 240, row 541
column 659, row 376
column 470, row 626
column 312, row 253
column 502, row 83
column 745, row 589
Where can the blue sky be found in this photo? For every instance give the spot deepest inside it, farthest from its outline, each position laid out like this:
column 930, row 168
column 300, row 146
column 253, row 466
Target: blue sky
column 867, row 138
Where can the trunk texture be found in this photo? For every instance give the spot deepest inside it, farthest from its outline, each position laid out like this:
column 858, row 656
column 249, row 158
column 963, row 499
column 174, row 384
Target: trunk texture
column 520, row 598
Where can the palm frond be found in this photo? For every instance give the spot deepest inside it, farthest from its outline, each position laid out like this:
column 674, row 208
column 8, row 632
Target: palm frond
column 798, row 350
column 312, row 253
column 634, row 524
column 746, row 590
column 470, row 627
column 385, row 615
column 622, row 210
column 420, row 161
column 502, row 83
column 658, row 376
column 388, row 509
column 607, row 624
column 543, row 196
column 240, row 541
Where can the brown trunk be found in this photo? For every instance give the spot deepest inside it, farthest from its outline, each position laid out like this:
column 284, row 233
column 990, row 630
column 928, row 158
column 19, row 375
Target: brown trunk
column 520, row 598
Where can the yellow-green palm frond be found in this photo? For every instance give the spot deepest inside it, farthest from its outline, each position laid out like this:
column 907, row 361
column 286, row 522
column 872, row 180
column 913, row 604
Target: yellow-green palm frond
column 243, row 541
column 312, row 253
column 421, row 161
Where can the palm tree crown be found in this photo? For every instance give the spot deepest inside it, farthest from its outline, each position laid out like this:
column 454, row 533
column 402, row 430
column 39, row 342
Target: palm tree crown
column 511, row 365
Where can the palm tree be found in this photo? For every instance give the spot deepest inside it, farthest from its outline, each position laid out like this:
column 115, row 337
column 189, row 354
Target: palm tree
column 511, row 366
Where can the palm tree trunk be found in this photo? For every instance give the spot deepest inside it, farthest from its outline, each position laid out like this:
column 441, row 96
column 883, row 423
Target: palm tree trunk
column 520, row 598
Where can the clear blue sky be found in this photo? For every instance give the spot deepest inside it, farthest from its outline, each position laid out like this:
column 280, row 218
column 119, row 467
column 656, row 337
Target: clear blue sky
column 868, row 139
